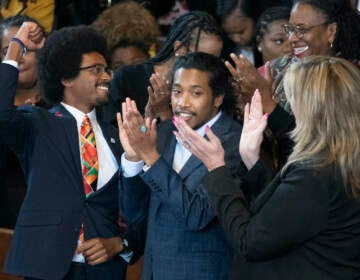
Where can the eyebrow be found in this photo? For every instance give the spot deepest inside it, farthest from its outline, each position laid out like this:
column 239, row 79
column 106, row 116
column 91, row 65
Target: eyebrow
column 192, row 86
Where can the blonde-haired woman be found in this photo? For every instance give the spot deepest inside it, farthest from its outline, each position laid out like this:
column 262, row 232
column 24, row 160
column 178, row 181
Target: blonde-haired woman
column 305, row 224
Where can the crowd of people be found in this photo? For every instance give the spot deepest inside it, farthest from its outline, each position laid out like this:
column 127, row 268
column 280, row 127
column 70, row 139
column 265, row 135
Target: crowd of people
column 226, row 147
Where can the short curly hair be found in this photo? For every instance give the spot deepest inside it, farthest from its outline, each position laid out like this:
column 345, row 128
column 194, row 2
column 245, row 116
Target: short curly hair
column 61, row 57
column 127, row 22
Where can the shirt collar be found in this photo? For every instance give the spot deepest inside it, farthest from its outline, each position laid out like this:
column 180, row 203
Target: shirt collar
column 79, row 115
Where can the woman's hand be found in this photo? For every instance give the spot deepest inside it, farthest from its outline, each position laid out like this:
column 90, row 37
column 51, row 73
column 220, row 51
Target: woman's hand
column 248, row 79
column 252, row 134
column 159, row 98
column 210, row 152
column 140, row 134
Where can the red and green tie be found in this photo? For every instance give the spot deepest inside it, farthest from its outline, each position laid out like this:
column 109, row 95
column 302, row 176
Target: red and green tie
column 90, row 163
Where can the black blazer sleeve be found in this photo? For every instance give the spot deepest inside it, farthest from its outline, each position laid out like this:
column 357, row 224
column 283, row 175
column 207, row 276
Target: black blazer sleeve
column 292, row 209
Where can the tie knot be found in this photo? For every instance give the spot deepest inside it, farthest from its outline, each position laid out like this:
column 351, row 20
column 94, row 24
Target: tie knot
column 86, row 121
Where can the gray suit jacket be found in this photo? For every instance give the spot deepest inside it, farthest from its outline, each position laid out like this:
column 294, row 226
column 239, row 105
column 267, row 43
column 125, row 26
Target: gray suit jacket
column 184, row 238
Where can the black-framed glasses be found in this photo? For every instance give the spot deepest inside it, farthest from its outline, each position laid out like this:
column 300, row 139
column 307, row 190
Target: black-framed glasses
column 98, row 69
column 298, row 30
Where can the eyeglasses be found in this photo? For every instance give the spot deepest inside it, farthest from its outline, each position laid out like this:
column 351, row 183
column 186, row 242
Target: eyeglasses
column 98, row 69
column 298, row 30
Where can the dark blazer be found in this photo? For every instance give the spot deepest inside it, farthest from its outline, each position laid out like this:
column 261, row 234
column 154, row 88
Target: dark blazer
column 47, row 229
column 184, row 238
column 302, row 226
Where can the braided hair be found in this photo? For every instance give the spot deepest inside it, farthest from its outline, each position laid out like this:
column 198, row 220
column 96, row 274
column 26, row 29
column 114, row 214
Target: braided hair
column 187, row 30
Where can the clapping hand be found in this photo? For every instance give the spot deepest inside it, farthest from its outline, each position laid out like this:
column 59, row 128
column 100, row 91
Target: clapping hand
column 138, row 136
column 159, row 98
column 248, row 79
column 252, row 134
column 210, row 152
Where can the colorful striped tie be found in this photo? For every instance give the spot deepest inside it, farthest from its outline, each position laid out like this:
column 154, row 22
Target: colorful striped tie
column 89, row 160
column 90, row 164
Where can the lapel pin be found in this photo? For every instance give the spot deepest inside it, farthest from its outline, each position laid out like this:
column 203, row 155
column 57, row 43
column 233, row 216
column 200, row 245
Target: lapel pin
column 112, row 140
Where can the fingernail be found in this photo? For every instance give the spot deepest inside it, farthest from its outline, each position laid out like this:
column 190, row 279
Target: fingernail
column 207, row 127
column 266, row 115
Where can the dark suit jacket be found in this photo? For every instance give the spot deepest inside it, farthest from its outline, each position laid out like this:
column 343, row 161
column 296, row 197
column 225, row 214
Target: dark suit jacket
column 184, row 239
column 302, row 226
column 47, row 230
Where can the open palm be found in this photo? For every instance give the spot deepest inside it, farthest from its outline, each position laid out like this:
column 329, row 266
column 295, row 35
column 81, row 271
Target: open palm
column 252, row 134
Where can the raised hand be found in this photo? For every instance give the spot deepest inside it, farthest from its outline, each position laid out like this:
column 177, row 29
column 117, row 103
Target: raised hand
column 141, row 134
column 131, row 155
column 159, row 98
column 210, row 152
column 248, row 79
column 252, row 134
column 31, row 35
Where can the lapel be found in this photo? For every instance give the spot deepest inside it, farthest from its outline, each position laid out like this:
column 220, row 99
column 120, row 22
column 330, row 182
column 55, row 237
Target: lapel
column 68, row 123
column 220, row 128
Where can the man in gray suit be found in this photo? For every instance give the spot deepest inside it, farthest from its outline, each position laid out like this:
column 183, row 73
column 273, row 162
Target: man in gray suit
column 163, row 180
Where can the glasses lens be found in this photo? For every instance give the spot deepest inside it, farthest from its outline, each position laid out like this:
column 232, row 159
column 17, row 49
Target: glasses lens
column 285, row 28
column 109, row 72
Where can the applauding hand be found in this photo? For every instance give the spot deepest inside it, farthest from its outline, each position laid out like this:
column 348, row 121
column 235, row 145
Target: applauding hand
column 210, row 152
column 252, row 134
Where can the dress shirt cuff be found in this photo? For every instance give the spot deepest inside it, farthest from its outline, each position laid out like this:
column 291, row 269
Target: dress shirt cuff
column 11, row 62
column 127, row 256
column 130, row 168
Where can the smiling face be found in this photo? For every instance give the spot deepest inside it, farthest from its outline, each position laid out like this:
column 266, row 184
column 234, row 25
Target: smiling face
column 88, row 89
column 27, row 64
column 275, row 42
column 319, row 34
column 192, row 98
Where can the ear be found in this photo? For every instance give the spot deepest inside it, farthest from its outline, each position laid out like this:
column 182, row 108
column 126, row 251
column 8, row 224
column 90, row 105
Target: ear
column 331, row 30
column 67, row 83
column 179, row 49
column 218, row 101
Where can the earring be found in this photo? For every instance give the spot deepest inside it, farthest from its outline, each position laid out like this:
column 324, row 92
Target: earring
column 259, row 49
column 331, row 45
column 176, row 54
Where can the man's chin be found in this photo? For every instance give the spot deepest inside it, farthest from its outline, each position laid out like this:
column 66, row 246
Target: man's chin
column 102, row 101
